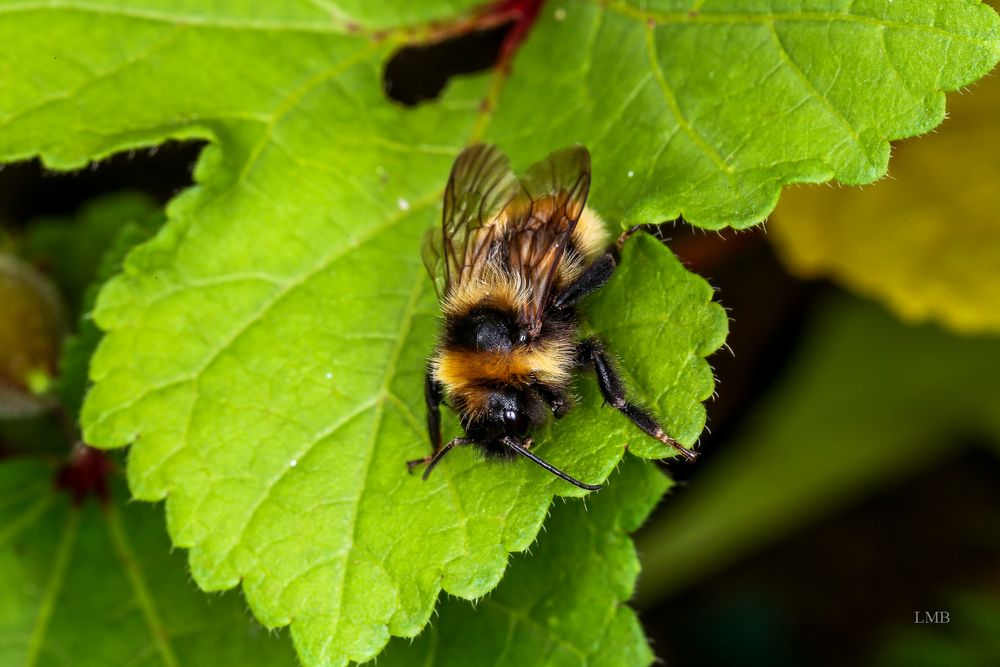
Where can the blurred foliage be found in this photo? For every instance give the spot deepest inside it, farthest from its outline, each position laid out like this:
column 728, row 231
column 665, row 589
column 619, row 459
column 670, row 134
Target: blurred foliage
column 32, row 324
column 122, row 221
column 866, row 399
column 69, row 249
column 970, row 637
column 95, row 585
column 80, row 252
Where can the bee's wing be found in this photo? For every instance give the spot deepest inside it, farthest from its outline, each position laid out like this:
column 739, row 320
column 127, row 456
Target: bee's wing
column 480, row 187
column 557, row 190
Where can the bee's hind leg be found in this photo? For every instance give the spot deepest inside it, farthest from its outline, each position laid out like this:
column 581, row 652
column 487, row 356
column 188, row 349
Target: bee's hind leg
column 590, row 352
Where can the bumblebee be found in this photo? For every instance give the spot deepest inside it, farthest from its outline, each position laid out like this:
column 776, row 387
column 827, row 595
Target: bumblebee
column 512, row 260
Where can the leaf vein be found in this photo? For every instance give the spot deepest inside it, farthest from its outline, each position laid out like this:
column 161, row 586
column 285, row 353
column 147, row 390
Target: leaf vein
column 683, row 18
column 140, row 590
column 285, row 289
column 119, row 67
column 57, row 577
column 786, row 57
column 300, row 456
column 26, row 519
column 294, row 97
column 546, row 631
column 671, row 99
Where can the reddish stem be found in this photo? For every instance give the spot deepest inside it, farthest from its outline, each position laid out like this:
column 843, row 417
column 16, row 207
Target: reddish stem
column 524, row 13
column 520, row 14
column 86, row 474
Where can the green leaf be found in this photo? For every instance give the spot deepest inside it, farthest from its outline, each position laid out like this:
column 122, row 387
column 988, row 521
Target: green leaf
column 556, row 606
column 707, row 108
column 866, row 400
column 926, row 241
column 86, row 585
column 704, row 110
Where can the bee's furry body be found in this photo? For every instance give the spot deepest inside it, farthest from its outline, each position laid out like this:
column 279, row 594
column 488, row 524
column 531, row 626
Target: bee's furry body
column 542, row 364
column 513, row 258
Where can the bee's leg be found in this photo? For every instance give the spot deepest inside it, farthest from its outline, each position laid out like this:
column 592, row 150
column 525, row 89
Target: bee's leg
column 433, row 459
column 433, row 395
column 654, row 229
column 557, row 400
column 589, row 352
column 595, row 276
column 413, row 463
column 651, row 228
column 592, row 279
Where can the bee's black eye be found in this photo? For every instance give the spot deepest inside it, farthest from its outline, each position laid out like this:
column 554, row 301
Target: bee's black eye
column 516, row 423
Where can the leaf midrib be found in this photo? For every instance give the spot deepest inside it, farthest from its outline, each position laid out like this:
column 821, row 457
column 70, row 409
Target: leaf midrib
column 382, row 396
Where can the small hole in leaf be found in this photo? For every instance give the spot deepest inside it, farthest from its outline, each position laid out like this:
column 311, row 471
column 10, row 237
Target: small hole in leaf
column 418, row 73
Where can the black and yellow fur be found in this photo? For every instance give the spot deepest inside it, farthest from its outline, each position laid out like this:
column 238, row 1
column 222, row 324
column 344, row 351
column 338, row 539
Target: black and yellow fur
column 510, row 345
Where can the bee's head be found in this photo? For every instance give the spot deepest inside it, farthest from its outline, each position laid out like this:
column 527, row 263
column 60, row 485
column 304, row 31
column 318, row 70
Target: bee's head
column 509, row 412
column 502, row 429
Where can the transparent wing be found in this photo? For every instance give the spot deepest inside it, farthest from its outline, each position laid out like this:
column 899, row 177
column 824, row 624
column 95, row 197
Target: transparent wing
column 565, row 174
column 432, row 252
column 555, row 193
column 480, row 187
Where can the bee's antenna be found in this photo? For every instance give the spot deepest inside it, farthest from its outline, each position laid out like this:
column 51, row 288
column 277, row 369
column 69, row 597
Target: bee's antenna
column 520, row 449
column 439, row 454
